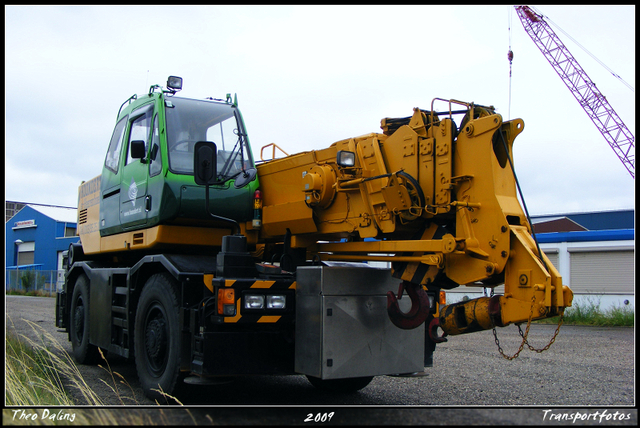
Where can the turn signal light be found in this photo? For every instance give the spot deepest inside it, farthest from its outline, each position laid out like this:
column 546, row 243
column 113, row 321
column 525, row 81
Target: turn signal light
column 226, row 302
column 442, row 298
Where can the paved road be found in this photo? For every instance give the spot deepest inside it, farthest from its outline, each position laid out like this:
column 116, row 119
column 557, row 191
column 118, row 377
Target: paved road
column 587, row 369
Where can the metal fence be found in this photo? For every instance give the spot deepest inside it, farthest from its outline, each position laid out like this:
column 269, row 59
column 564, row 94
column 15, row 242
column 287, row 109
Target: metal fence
column 32, row 280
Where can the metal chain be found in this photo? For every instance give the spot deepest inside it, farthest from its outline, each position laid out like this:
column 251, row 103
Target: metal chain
column 495, row 335
column 526, row 334
column 553, row 339
column 502, row 352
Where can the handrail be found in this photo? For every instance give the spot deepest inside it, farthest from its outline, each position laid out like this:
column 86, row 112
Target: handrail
column 273, row 152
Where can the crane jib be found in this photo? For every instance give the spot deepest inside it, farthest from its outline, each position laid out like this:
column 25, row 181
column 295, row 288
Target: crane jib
column 582, row 88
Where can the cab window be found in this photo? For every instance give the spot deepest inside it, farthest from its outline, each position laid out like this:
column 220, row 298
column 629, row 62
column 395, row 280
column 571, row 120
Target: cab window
column 113, row 153
column 190, row 121
column 140, row 128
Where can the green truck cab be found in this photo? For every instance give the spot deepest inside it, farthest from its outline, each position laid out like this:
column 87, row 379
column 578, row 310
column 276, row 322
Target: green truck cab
column 148, row 173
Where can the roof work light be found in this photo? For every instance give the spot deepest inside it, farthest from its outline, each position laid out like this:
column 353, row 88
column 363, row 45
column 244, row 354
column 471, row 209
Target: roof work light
column 174, row 83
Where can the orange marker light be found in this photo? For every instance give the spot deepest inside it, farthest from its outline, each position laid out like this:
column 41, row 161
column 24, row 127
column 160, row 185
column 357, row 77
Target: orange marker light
column 226, row 301
column 442, row 298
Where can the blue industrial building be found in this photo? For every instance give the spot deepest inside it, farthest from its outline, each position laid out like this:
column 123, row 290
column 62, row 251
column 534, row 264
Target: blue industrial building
column 37, row 236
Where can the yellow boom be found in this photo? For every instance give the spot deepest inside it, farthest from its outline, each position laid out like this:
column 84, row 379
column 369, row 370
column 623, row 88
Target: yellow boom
column 438, row 201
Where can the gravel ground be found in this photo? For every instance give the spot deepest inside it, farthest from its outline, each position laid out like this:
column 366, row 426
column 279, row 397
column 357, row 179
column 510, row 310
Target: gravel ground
column 587, row 369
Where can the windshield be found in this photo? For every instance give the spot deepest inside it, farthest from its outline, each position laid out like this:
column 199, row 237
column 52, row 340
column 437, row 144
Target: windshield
column 190, row 121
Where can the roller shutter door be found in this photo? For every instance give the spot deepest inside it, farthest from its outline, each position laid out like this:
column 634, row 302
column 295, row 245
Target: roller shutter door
column 26, row 253
column 553, row 257
column 602, row 272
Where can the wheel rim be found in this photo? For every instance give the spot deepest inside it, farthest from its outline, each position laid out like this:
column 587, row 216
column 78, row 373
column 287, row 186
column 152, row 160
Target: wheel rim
column 156, row 339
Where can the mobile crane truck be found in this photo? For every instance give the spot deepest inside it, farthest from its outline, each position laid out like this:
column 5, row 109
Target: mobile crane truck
column 198, row 262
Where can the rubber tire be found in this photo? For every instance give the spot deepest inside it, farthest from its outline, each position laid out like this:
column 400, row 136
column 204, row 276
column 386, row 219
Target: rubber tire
column 79, row 324
column 75, row 254
column 157, row 316
column 341, row 385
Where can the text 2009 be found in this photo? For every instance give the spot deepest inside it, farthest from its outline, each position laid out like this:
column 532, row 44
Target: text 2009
column 319, row 417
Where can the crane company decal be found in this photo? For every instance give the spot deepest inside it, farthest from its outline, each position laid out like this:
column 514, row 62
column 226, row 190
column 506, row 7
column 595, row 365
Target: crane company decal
column 132, row 212
column 133, row 192
column 90, row 187
column 89, row 193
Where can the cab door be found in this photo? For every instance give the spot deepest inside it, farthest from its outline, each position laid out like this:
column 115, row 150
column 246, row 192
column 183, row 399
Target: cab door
column 135, row 171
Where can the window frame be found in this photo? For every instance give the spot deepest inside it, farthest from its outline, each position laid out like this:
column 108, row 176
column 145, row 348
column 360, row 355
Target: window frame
column 117, row 150
column 155, row 142
column 144, row 112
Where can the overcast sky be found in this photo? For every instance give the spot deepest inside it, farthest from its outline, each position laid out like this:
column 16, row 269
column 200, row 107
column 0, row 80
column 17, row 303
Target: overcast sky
column 307, row 76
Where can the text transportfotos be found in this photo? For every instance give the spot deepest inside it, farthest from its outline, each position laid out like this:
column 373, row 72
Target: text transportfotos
column 578, row 416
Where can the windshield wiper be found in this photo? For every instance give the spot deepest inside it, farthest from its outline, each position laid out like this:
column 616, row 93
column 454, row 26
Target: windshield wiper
column 224, row 175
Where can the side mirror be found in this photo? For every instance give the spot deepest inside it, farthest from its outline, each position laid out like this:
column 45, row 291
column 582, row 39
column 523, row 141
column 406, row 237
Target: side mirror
column 205, row 163
column 137, row 149
column 245, row 178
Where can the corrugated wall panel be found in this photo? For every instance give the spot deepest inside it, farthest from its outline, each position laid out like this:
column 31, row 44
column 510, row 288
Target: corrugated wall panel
column 602, row 272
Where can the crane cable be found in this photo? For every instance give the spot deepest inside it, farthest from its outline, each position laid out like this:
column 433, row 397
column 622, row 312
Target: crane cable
column 510, row 57
column 584, row 49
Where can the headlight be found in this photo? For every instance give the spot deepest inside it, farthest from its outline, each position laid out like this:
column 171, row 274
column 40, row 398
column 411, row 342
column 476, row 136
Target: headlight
column 253, row 301
column 262, row 301
column 276, row 301
column 346, row 159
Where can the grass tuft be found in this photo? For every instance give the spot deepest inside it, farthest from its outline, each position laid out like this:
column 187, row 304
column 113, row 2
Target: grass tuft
column 588, row 312
column 41, row 374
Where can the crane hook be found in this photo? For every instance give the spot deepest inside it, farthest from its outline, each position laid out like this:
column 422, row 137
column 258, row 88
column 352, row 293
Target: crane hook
column 432, row 329
column 419, row 306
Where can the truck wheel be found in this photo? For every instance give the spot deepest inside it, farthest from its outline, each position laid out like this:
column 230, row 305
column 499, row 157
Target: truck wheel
column 75, row 254
column 79, row 325
column 157, row 337
column 341, row 385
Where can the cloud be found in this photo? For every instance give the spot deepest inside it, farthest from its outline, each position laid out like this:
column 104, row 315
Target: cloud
column 307, row 76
